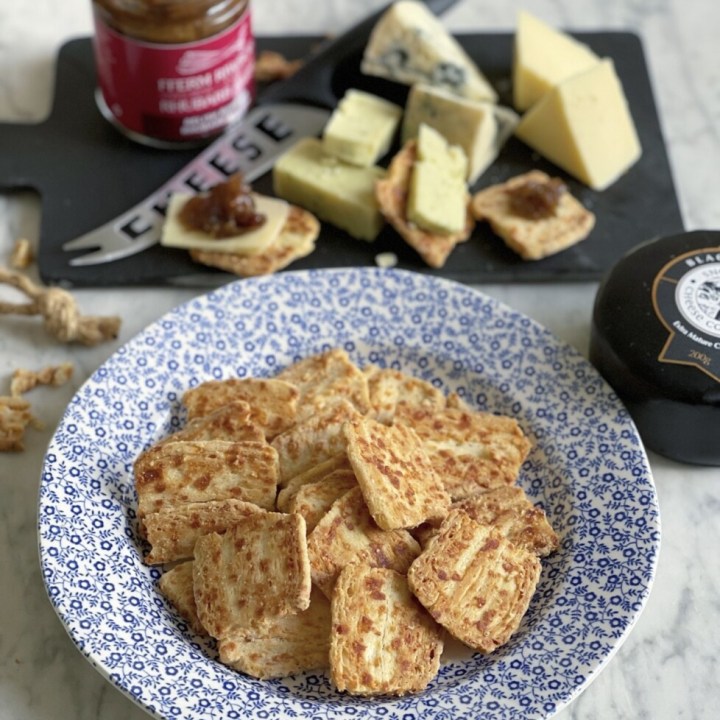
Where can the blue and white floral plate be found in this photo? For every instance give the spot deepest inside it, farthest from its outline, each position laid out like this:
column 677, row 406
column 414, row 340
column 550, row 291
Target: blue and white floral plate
column 588, row 470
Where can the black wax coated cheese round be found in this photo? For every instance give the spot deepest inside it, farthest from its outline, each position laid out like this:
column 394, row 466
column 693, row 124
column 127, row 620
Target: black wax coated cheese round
column 655, row 338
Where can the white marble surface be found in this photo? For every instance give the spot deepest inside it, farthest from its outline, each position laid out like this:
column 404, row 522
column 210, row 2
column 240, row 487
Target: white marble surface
column 669, row 667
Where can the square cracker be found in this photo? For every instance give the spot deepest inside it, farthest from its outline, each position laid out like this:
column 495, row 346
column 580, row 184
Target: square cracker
column 285, row 646
column 383, row 641
column 398, row 481
column 388, row 387
column 273, row 403
column 255, row 573
column 311, row 475
column 312, row 441
column 532, row 238
column 177, row 586
column 347, row 533
column 295, row 240
column 391, row 194
column 314, row 499
column 509, row 510
column 230, row 422
column 324, row 379
column 475, row 582
column 178, row 473
column 174, row 531
column 470, row 451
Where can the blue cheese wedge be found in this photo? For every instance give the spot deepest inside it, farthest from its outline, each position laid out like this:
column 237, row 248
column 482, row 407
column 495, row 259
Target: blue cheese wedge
column 479, row 128
column 175, row 234
column 361, row 128
column 438, row 196
column 337, row 192
column 410, row 45
column 544, row 57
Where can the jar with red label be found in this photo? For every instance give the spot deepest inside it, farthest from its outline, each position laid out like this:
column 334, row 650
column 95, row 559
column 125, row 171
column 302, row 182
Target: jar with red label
column 173, row 72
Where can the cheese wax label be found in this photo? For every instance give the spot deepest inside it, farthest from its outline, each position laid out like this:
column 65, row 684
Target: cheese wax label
column 686, row 299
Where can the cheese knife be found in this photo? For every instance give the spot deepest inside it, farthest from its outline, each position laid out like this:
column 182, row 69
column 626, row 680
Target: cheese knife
column 287, row 111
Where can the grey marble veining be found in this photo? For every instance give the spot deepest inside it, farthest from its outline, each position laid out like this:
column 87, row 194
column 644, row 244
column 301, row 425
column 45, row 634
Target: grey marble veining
column 669, row 667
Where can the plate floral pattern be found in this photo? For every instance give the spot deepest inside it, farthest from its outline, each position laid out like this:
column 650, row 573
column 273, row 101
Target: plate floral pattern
column 588, row 470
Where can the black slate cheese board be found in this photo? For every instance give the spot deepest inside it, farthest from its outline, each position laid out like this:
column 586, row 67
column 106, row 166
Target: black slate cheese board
column 87, row 173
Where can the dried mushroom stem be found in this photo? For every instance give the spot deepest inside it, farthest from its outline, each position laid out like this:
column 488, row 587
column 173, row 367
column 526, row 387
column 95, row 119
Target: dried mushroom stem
column 60, row 313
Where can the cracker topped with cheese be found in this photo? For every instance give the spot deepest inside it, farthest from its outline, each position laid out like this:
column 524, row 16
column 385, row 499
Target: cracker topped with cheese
column 392, row 196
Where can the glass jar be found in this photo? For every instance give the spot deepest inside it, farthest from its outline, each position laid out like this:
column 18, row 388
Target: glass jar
column 173, row 72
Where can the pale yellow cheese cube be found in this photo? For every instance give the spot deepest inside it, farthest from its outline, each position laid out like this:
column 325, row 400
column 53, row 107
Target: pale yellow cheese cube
column 479, row 128
column 584, row 126
column 361, row 128
column 175, row 234
column 544, row 57
column 339, row 193
column 437, row 200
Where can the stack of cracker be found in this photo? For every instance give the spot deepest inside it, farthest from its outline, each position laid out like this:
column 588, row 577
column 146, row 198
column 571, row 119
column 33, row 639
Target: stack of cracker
column 343, row 519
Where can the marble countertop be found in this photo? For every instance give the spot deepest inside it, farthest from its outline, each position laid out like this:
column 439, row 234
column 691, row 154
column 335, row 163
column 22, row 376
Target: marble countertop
column 668, row 668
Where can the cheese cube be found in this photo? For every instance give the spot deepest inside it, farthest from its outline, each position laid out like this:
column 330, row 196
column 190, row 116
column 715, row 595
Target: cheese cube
column 584, row 126
column 336, row 192
column 410, row 45
column 175, row 234
column 544, row 57
column 361, row 128
column 479, row 128
column 437, row 201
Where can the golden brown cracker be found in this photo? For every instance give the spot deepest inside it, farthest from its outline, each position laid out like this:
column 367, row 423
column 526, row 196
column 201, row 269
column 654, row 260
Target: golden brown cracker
column 475, row 582
column 388, row 387
column 470, row 451
column 313, row 500
column 383, row 641
column 347, row 533
column 509, row 510
column 273, row 403
column 324, row 379
column 532, row 238
column 177, row 586
column 391, row 193
column 229, row 422
column 311, row 475
column 174, row 474
column 312, row 441
column 255, row 573
column 173, row 532
column 287, row 645
column 398, row 481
